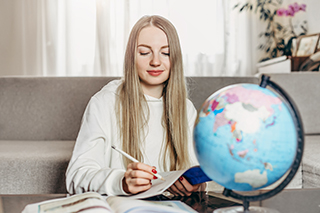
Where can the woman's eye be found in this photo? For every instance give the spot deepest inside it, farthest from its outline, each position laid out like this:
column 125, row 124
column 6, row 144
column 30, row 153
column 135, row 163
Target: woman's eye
column 166, row 54
column 144, row 53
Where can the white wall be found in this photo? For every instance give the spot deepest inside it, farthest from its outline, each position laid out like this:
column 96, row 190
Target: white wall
column 313, row 14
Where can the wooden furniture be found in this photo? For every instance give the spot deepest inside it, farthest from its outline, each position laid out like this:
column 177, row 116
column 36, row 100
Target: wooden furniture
column 296, row 62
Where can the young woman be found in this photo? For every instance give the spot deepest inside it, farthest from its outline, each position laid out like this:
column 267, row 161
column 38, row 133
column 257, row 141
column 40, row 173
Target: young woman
column 146, row 114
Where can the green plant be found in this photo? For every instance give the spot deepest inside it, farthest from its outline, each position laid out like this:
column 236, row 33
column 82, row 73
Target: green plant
column 277, row 38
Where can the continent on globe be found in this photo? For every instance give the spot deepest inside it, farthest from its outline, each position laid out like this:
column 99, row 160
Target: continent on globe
column 252, row 177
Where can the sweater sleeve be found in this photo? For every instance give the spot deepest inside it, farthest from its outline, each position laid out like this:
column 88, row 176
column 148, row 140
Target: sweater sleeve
column 90, row 166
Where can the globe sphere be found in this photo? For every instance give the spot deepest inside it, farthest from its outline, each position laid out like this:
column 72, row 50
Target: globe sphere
column 245, row 137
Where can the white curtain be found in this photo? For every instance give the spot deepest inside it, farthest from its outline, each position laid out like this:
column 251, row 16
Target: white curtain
column 27, row 45
column 241, row 41
column 213, row 39
column 88, row 38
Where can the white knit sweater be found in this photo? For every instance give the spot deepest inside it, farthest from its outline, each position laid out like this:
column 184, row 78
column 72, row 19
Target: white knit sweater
column 94, row 165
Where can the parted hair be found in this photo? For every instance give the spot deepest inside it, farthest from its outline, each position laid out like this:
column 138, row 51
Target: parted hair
column 132, row 108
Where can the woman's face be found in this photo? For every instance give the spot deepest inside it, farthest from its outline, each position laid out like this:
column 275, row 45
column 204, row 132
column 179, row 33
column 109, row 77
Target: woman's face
column 152, row 59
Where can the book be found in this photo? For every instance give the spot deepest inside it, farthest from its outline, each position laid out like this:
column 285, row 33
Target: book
column 92, row 202
column 280, row 64
column 272, row 61
column 194, row 175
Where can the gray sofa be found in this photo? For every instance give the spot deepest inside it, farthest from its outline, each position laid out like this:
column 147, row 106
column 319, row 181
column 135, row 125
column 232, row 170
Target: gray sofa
column 40, row 118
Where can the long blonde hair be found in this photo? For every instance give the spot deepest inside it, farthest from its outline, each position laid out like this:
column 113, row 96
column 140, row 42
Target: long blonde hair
column 132, row 106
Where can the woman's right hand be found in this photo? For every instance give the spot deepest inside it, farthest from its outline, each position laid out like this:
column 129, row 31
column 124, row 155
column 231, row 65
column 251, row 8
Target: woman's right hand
column 138, row 178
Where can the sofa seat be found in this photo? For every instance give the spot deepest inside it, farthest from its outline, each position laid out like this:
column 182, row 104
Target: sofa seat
column 34, row 167
column 50, row 156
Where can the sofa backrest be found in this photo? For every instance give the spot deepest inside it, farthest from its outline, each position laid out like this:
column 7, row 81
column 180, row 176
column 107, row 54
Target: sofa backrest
column 304, row 89
column 45, row 108
column 200, row 88
column 51, row 108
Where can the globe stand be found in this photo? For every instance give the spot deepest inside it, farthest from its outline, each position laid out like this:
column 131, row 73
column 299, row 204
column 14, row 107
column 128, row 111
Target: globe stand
column 265, row 81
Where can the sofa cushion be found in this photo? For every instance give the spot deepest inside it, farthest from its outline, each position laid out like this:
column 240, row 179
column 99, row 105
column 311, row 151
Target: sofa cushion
column 34, row 167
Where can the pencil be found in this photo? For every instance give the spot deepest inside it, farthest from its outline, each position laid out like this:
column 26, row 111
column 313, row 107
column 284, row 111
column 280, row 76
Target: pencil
column 134, row 160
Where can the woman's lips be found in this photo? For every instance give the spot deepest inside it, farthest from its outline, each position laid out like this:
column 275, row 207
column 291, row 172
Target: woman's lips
column 155, row 72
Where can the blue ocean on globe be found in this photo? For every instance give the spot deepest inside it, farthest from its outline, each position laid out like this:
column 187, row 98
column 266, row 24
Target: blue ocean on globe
column 245, row 137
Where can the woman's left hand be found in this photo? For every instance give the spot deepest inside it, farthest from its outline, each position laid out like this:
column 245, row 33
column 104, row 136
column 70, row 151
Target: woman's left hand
column 183, row 188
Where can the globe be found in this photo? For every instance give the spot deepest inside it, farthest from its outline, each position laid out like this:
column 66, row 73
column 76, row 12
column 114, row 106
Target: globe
column 246, row 136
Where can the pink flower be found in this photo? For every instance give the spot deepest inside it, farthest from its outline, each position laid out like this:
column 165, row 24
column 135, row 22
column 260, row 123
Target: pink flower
column 303, row 7
column 289, row 12
column 296, row 7
column 291, row 7
column 280, row 12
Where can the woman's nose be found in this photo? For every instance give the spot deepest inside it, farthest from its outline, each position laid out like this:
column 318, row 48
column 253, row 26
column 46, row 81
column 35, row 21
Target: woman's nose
column 155, row 61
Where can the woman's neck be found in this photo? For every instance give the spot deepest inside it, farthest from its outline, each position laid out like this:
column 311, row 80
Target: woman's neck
column 153, row 91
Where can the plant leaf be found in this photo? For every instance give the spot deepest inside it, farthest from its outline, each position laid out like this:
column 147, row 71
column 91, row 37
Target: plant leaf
column 235, row 6
column 279, row 26
column 269, row 25
column 244, row 6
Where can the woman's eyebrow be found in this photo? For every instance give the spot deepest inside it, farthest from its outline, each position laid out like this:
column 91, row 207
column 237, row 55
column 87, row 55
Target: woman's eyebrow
column 144, row 45
column 147, row 46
